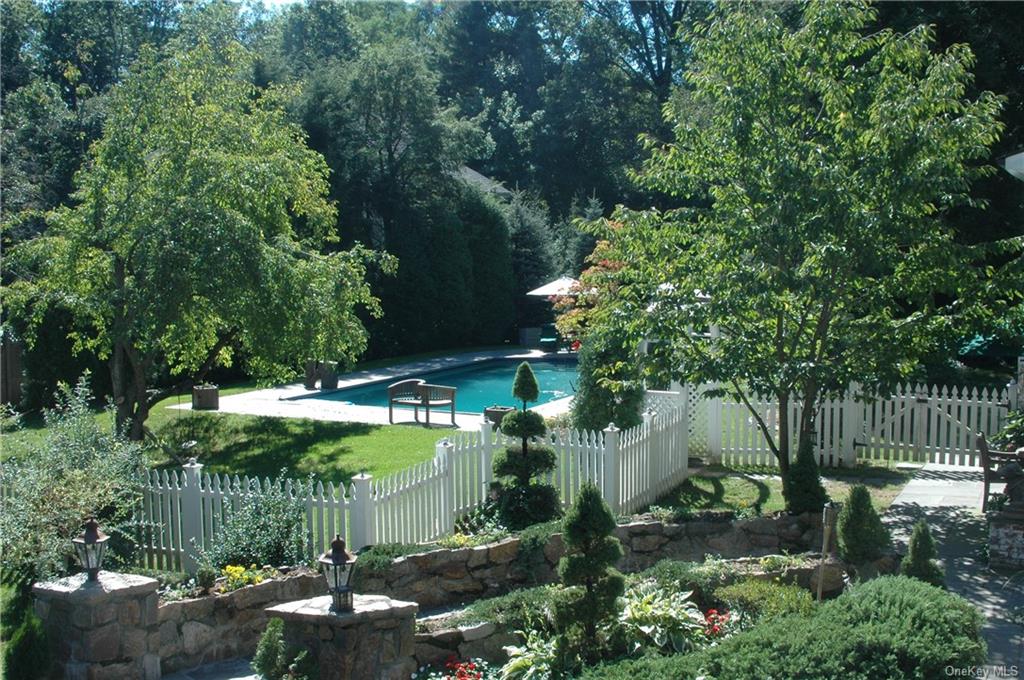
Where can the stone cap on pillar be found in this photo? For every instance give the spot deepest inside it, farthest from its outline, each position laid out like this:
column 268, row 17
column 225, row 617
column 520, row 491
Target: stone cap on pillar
column 364, row 608
column 109, row 585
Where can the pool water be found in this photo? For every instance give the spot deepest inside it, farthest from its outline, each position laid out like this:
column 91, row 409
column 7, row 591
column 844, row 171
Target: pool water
column 479, row 385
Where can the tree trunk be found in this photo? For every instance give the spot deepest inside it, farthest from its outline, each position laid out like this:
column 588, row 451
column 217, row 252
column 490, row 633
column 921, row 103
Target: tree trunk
column 783, row 454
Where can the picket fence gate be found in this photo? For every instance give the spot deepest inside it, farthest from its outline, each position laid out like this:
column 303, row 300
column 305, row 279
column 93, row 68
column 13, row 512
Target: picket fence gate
column 183, row 510
column 917, row 424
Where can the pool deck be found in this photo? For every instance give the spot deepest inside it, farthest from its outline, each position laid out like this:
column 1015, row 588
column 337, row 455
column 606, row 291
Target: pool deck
column 286, row 401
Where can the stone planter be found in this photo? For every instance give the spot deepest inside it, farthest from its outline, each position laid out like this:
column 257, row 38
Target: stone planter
column 495, row 414
column 205, row 398
column 311, row 374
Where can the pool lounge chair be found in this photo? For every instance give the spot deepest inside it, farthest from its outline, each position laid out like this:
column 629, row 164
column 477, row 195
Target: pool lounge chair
column 419, row 394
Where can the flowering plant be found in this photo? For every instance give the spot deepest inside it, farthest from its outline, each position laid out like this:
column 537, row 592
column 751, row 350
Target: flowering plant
column 717, row 624
column 237, row 576
column 454, row 669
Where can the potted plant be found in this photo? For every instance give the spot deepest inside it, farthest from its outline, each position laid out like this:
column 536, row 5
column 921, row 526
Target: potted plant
column 205, row 397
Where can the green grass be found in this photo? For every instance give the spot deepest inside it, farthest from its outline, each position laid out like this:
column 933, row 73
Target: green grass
column 262, row 446
column 752, row 490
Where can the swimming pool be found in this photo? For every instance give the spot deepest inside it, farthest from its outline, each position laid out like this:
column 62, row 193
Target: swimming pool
column 479, row 385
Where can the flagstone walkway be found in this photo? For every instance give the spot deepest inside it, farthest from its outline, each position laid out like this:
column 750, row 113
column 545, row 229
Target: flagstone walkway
column 949, row 499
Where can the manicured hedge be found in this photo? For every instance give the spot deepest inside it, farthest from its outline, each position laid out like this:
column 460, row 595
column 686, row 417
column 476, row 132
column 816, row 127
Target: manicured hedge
column 892, row 627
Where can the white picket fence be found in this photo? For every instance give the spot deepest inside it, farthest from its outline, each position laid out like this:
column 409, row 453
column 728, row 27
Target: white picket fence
column 182, row 510
column 914, row 424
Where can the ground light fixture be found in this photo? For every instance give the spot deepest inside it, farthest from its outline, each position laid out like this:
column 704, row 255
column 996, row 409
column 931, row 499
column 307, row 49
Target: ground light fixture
column 829, row 515
column 337, row 565
column 90, row 547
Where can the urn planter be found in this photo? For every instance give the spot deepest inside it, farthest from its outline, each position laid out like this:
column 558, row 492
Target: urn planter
column 205, row 398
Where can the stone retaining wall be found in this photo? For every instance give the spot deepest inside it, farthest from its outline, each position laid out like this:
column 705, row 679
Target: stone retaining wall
column 225, row 626
column 457, row 576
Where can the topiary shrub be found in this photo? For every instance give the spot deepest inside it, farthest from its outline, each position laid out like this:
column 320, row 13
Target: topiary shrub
column 862, row 536
column 522, row 501
column 892, row 627
column 756, row 600
column 801, row 485
column 587, row 569
column 271, row 659
column 920, row 560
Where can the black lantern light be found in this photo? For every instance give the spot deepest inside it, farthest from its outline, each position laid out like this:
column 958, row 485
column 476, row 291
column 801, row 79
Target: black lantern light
column 90, row 547
column 337, row 565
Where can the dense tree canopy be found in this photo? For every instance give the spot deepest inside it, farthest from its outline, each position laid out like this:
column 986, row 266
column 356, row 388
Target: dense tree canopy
column 196, row 228
column 817, row 161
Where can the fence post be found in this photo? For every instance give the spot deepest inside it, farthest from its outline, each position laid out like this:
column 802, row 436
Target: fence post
column 655, row 457
column 611, row 467
column 714, row 429
column 444, row 454
column 922, row 405
column 191, row 515
column 486, row 459
column 363, row 519
column 853, row 423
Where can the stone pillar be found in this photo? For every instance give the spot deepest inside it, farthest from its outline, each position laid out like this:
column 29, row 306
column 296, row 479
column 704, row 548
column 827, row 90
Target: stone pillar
column 102, row 629
column 374, row 640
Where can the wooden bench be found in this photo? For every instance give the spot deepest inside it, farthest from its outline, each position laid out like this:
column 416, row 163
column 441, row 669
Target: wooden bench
column 990, row 462
column 420, row 394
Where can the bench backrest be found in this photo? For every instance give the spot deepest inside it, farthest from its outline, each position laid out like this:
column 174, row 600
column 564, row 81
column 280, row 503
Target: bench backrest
column 405, row 389
column 437, row 392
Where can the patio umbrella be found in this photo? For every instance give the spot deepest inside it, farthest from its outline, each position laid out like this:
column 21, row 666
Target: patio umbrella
column 561, row 286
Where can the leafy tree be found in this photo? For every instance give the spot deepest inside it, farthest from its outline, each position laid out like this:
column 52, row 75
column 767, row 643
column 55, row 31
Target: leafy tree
column 811, row 162
column 804, row 492
column 532, row 262
column 920, row 559
column 196, row 230
column 610, row 389
column 588, row 566
column 862, row 536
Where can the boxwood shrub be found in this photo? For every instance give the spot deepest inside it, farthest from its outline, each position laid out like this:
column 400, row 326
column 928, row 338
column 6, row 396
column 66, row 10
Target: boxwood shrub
column 892, row 627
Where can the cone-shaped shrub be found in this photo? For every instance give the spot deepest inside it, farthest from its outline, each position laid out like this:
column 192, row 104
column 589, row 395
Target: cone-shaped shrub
column 862, row 536
column 920, row 560
column 802, row 485
column 525, row 387
column 588, row 566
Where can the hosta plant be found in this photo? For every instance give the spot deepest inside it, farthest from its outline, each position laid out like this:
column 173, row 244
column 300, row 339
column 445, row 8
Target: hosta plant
column 662, row 619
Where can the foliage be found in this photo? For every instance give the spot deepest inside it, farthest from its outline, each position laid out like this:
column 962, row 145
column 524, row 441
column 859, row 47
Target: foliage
column 1011, row 436
column 532, row 257
column 891, row 627
column 527, row 609
column 802, row 482
column 755, row 600
column 523, row 502
column 376, row 559
column 862, row 536
column 275, row 660
column 487, row 531
column 780, row 562
column 812, row 162
column 79, row 469
column 587, row 568
column 206, row 577
column 662, row 619
column 539, row 658
column 25, row 650
column 525, row 387
column 700, row 578
column 610, row 389
column 174, row 255
column 265, row 529
column 532, row 541
column 919, row 561
column 453, row 669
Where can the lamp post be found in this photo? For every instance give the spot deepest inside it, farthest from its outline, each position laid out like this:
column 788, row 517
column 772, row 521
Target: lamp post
column 90, row 547
column 337, row 566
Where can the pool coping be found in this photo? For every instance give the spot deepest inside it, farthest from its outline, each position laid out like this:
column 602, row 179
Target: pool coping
column 295, row 401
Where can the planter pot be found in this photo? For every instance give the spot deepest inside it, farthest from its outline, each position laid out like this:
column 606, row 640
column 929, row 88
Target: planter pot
column 328, row 380
column 205, row 398
column 312, row 373
column 495, row 414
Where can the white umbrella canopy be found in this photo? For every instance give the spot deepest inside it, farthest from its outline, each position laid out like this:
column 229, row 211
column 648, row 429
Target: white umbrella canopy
column 560, row 286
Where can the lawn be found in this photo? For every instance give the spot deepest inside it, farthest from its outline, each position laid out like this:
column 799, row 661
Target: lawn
column 259, row 445
column 752, row 490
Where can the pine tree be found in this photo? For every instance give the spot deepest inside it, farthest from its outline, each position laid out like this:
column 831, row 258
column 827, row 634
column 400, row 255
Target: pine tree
column 920, row 560
column 862, row 536
column 588, row 565
column 802, row 483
